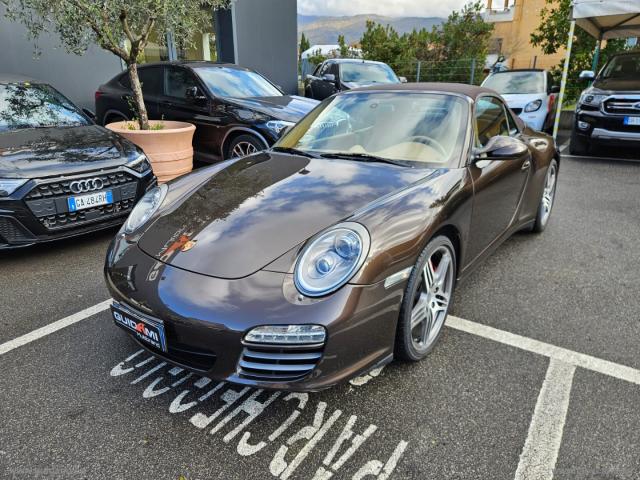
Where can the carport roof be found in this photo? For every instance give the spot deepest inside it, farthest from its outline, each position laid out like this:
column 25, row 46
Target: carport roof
column 608, row 18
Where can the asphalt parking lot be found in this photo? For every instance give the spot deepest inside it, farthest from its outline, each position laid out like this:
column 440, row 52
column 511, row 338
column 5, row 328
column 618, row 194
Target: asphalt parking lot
column 537, row 376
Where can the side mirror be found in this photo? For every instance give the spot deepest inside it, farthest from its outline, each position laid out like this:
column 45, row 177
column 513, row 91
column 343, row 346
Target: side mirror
column 284, row 131
column 555, row 89
column 193, row 94
column 587, row 75
column 403, row 79
column 501, row 147
column 89, row 113
column 329, row 77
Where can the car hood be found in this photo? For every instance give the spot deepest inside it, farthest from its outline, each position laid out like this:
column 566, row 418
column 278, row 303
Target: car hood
column 43, row 152
column 615, row 85
column 290, row 108
column 260, row 207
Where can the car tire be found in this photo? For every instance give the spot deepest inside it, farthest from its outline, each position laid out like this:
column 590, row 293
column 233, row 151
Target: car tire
column 578, row 145
column 114, row 117
column 244, row 145
column 415, row 338
column 547, row 198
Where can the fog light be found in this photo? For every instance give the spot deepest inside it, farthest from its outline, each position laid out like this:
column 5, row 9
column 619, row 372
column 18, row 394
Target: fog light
column 583, row 125
column 288, row 334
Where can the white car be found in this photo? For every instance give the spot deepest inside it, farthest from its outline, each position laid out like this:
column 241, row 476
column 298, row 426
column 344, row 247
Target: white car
column 530, row 94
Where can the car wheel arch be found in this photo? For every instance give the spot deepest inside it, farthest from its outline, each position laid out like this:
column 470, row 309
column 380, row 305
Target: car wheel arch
column 453, row 234
column 234, row 133
column 113, row 115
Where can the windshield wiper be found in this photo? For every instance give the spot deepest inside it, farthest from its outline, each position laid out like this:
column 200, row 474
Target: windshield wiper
column 294, row 151
column 364, row 157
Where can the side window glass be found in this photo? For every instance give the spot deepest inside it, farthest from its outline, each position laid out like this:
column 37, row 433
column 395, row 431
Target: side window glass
column 151, row 79
column 513, row 126
column 323, row 69
column 491, row 119
column 178, row 81
column 334, row 70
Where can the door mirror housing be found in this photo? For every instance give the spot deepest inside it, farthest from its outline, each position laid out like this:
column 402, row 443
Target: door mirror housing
column 329, row 77
column 587, row 75
column 193, row 94
column 500, row 147
column 555, row 89
column 402, row 79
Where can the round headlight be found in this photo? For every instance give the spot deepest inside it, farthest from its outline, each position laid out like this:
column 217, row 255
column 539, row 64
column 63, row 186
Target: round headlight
column 331, row 259
column 533, row 106
column 145, row 208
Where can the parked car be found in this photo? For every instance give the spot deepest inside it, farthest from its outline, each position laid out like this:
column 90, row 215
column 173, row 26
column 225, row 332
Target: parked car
column 339, row 74
column 530, row 93
column 236, row 111
column 337, row 249
column 60, row 174
column 608, row 112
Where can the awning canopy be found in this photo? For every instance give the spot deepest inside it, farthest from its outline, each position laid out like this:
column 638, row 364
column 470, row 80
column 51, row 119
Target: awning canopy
column 608, row 18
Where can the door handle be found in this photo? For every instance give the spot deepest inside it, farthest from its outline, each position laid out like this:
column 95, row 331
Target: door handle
column 526, row 165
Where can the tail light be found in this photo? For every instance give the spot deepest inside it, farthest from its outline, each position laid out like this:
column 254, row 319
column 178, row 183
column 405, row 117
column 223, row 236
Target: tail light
column 98, row 94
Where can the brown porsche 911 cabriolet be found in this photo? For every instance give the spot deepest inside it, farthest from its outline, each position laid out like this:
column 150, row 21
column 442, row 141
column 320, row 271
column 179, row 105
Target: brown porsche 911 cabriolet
column 339, row 248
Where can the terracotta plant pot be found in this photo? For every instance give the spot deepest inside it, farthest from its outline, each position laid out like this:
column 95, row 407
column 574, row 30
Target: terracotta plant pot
column 169, row 149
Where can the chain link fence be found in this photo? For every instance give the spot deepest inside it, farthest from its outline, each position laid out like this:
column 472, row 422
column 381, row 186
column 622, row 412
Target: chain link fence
column 466, row 70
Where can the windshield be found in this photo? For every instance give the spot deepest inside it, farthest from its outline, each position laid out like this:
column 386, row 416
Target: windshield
column 623, row 66
column 367, row 73
column 418, row 129
column 232, row 82
column 25, row 105
column 515, row 82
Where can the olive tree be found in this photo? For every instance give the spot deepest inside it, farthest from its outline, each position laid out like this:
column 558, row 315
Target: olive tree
column 120, row 26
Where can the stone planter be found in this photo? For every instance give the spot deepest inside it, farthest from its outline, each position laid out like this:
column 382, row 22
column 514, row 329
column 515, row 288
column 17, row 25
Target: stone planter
column 169, row 149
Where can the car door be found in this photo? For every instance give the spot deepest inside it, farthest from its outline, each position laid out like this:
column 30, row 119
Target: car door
column 320, row 87
column 152, row 91
column 498, row 184
column 178, row 105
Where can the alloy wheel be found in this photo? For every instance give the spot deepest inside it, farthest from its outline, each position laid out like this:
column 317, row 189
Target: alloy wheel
column 432, row 298
column 548, row 194
column 242, row 149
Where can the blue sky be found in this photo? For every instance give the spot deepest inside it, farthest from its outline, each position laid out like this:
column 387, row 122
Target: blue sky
column 392, row 8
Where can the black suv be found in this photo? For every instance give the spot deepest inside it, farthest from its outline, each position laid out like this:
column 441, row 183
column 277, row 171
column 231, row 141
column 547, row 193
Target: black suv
column 608, row 112
column 60, row 174
column 236, row 111
column 338, row 74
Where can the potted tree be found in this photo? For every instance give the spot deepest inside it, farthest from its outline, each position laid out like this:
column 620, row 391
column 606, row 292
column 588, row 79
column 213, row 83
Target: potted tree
column 122, row 27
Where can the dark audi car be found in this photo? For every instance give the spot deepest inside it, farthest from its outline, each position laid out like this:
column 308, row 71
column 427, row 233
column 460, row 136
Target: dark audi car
column 339, row 248
column 60, row 174
column 236, row 111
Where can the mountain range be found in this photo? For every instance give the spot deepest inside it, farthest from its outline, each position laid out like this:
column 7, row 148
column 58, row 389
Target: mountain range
column 325, row 30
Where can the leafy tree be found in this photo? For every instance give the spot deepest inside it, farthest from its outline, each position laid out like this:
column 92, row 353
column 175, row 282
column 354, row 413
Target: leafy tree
column 551, row 36
column 304, row 44
column 121, row 27
column 448, row 50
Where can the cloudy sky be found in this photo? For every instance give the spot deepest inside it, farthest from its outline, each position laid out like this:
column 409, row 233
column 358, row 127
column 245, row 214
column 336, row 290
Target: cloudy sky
column 392, row 8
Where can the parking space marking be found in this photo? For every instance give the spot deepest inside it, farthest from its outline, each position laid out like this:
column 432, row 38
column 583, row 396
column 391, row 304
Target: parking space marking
column 541, row 348
column 53, row 327
column 540, row 452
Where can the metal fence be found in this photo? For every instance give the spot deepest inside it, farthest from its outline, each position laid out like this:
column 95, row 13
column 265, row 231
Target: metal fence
column 466, row 70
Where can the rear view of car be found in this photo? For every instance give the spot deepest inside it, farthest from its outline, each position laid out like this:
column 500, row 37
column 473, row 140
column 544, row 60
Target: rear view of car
column 60, row 174
column 530, row 94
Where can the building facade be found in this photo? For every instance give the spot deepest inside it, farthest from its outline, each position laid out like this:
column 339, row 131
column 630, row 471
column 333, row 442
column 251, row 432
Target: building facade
column 257, row 34
column 514, row 21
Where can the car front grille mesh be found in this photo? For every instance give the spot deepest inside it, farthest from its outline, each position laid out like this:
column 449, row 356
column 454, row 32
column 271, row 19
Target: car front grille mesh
column 275, row 363
column 12, row 233
column 62, row 187
column 61, row 220
column 622, row 106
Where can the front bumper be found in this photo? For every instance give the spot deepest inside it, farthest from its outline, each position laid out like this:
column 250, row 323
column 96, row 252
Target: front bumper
column 38, row 212
column 606, row 128
column 205, row 320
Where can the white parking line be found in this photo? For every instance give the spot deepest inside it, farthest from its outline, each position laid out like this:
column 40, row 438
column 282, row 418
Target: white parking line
column 541, row 348
column 53, row 327
column 540, row 452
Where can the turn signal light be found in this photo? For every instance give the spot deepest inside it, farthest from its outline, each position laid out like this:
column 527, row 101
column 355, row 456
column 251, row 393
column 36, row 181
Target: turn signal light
column 287, row 334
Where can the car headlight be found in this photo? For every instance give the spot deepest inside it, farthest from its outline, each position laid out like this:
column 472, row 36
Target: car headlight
column 533, row 106
column 145, row 208
column 591, row 99
column 278, row 125
column 140, row 164
column 331, row 259
column 8, row 186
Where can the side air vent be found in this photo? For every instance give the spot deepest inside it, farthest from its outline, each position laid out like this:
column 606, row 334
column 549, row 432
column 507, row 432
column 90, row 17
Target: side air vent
column 275, row 363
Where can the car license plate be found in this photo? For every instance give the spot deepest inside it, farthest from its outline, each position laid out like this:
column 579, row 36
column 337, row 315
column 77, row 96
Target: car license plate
column 632, row 120
column 144, row 329
column 91, row 200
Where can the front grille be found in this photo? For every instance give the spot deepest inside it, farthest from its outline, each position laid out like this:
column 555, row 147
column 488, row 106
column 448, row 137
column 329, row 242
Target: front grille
column 12, row 232
column 277, row 362
column 622, row 106
column 48, row 200
column 187, row 356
